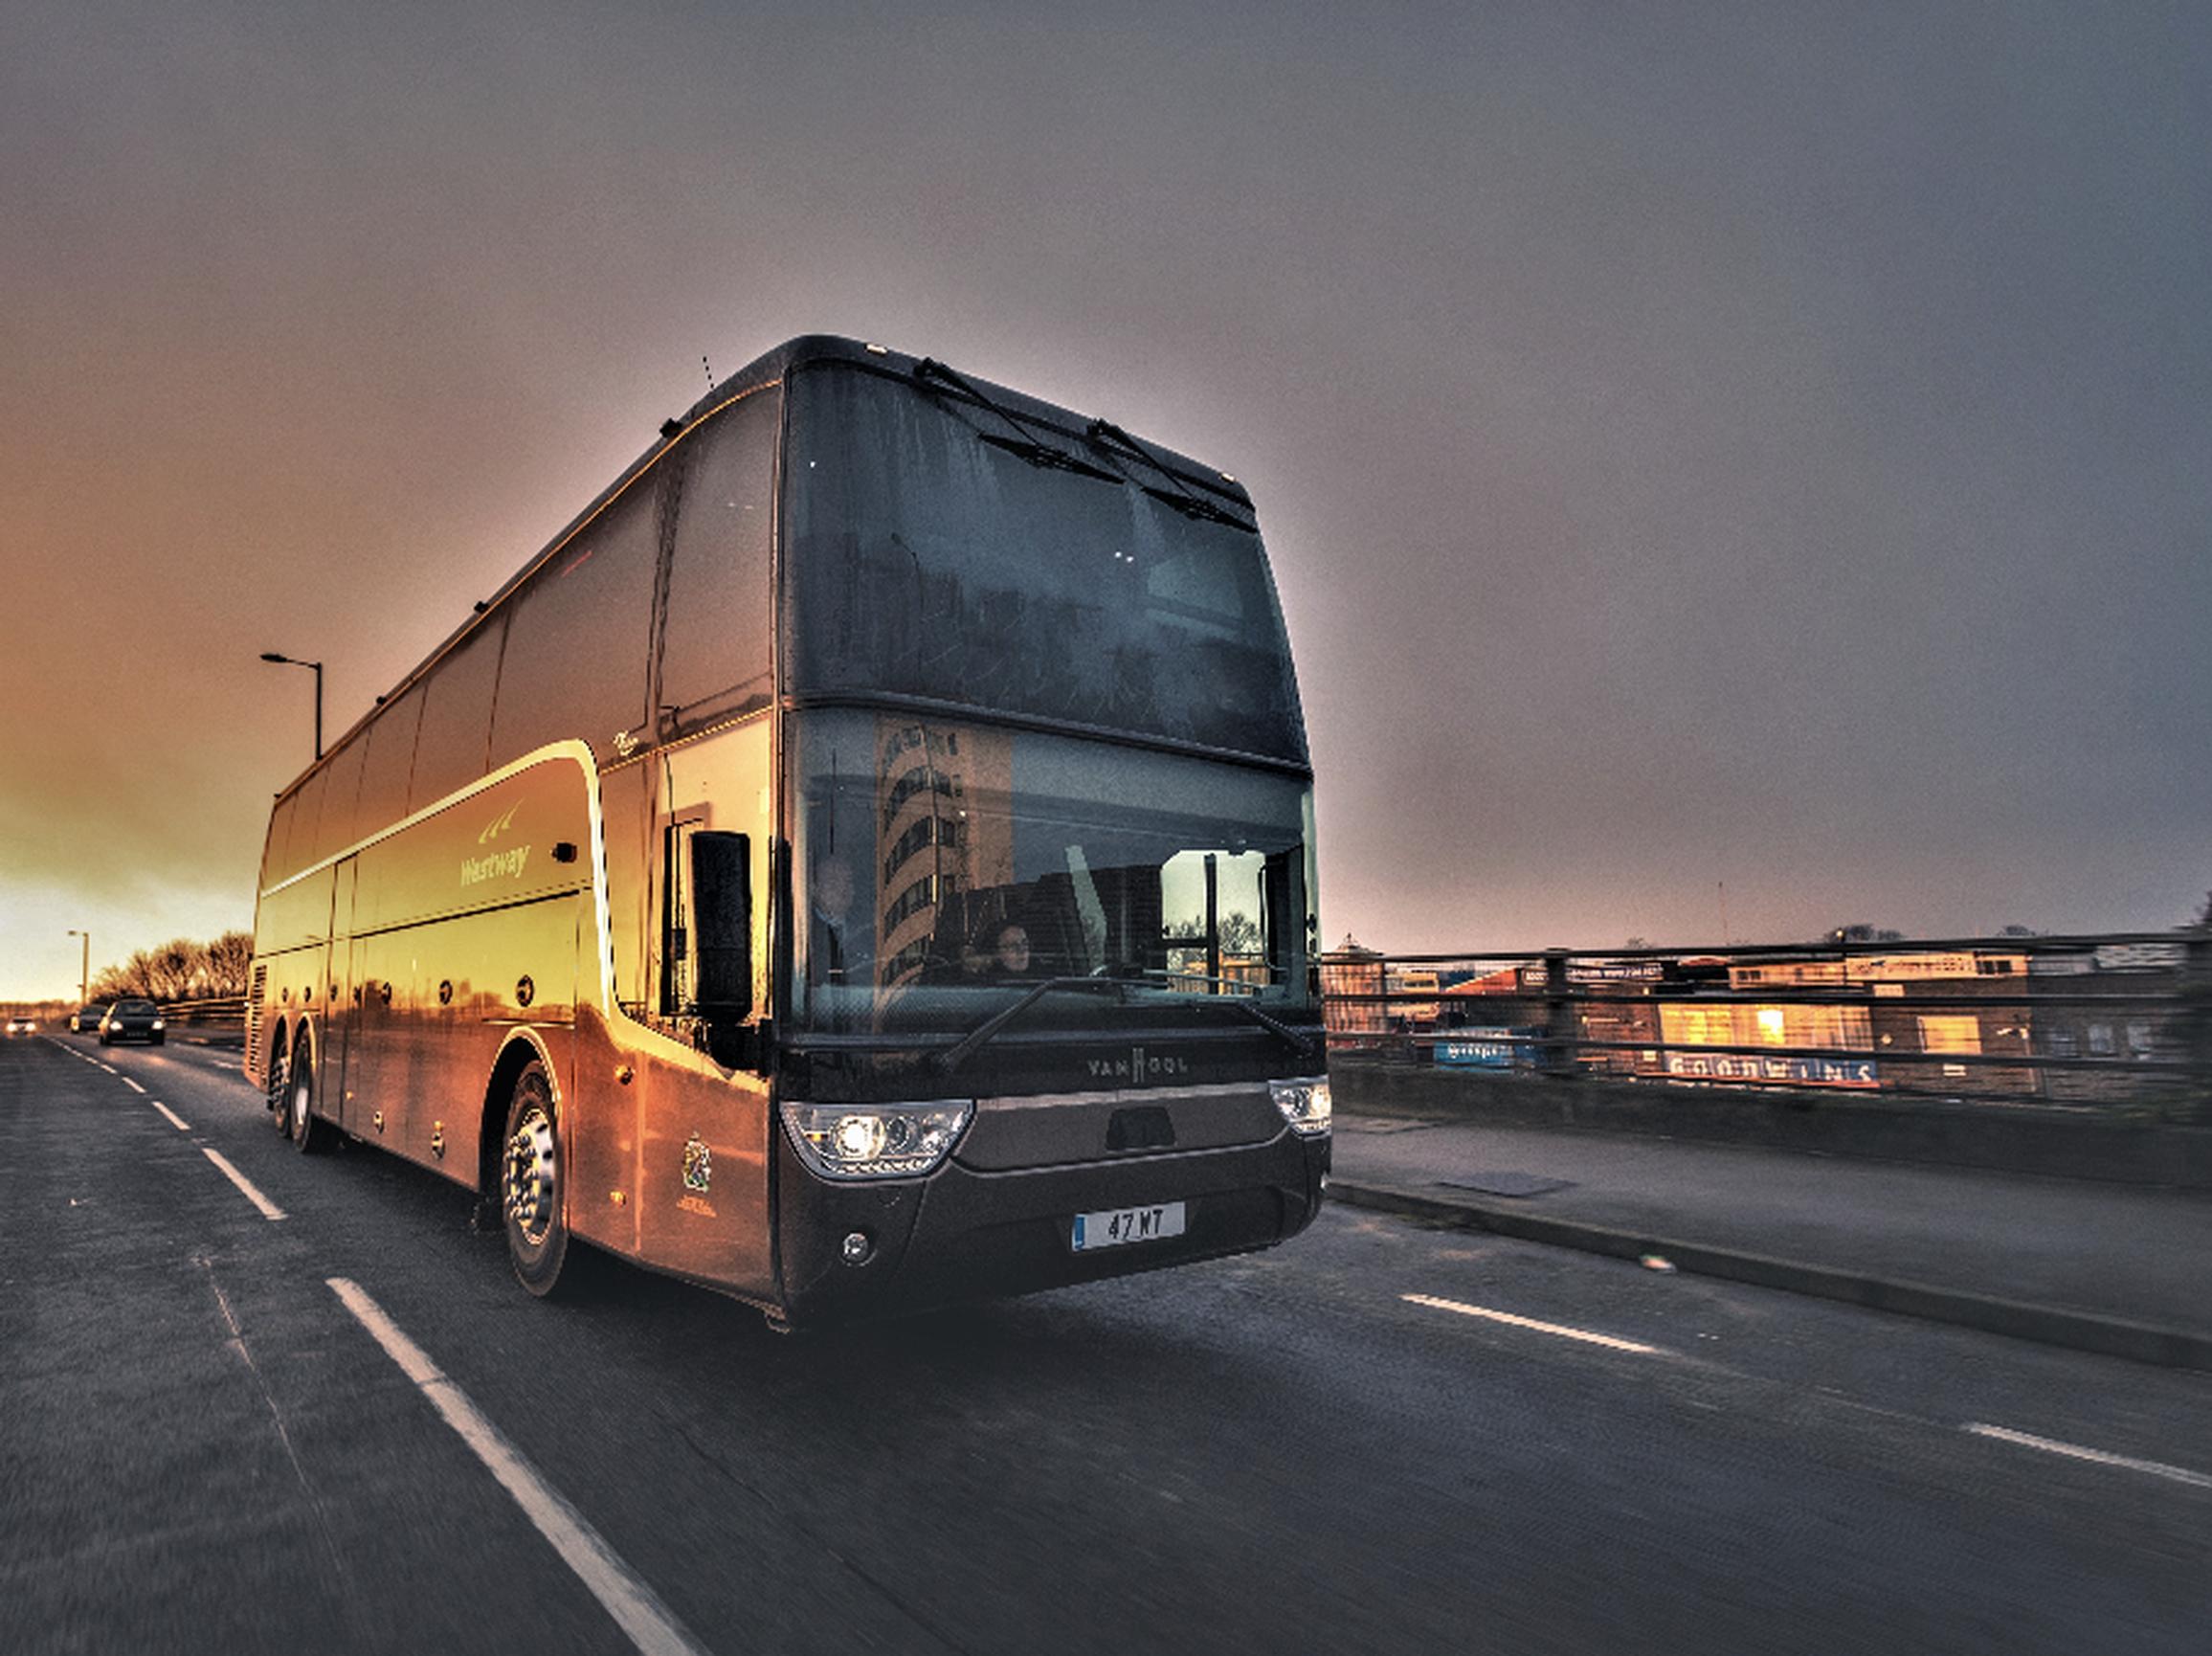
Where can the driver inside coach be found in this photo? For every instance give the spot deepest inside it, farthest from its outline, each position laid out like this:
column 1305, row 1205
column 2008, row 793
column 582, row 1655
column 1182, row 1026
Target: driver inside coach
column 1000, row 953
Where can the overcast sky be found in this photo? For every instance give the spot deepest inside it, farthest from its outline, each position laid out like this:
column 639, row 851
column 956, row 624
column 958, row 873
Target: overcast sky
column 1760, row 443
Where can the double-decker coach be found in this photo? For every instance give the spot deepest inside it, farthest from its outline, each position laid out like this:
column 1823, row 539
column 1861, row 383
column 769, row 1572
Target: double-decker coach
column 865, row 861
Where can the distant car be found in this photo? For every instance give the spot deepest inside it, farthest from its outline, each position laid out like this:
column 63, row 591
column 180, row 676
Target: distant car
column 85, row 1020
column 21, row 1026
column 131, row 1020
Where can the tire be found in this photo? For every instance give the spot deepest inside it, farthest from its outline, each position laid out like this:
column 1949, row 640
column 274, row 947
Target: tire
column 310, row 1134
column 279, row 1082
column 533, row 1193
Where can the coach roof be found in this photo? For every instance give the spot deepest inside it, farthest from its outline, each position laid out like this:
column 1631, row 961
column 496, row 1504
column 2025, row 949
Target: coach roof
column 793, row 356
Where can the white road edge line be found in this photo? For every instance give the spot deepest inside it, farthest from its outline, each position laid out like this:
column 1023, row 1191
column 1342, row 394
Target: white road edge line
column 652, row 1627
column 132, row 1085
column 1509, row 1318
column 269, row 1209
column 2076, row 1452
column 175, row 1120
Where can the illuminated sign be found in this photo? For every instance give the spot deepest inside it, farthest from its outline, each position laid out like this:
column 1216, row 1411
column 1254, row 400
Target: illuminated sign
column 1798, row 1071
column 1599, row 972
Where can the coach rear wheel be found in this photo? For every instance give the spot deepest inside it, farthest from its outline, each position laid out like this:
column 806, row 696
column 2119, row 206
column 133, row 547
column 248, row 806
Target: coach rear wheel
column 277, row 1098
column 530, row 1184
column 308, row 1132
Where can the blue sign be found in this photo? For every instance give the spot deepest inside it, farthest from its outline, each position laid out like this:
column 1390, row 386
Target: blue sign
column 1487, row 1049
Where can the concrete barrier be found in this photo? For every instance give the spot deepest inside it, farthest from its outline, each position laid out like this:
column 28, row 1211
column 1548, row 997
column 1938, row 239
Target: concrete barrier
column 2004, row 1138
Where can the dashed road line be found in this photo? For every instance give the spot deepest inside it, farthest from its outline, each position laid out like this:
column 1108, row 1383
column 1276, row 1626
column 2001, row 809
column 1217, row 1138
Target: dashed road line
column 269, row 1209
column 174, row 1119
column 132, row 1085
column 652, row 1627
column 1610, row 1342
column 2077, row 1453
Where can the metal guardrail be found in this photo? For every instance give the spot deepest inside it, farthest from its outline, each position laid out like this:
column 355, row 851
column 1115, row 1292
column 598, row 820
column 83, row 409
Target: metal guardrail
column 2106, row 1022
column 222, row 1011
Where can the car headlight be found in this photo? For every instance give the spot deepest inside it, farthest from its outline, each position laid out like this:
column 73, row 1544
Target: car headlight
column 157, row 1023
column 876, row 1140
column 1304, row 1104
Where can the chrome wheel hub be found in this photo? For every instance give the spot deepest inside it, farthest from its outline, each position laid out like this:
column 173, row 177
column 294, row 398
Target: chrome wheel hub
column 528, row 1184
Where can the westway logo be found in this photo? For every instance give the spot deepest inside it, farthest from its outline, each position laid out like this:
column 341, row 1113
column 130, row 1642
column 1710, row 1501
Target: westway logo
column 500, row 865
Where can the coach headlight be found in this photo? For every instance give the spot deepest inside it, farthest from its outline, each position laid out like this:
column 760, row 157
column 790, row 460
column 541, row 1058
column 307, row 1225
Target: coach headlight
column 1304, row 1104
column 876, row 1140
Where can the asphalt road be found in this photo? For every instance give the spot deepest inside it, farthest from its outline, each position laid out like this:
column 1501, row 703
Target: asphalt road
column 207, row 1445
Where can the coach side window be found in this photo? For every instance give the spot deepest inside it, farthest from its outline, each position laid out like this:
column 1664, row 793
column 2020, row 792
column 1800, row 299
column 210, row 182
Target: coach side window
column 456, row 716
column 337, row 831
column 274, row 866
column 714, row 656
column 578, row 637
column 306, row 821
column 384, row 772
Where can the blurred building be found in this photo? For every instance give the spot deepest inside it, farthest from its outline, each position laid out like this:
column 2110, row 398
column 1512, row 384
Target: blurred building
column 1350, row 970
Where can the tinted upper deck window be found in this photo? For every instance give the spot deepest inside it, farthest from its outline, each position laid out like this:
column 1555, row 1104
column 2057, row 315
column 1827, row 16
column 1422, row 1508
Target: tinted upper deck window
column 456, row 716
column 923, row 559
column 714, row 658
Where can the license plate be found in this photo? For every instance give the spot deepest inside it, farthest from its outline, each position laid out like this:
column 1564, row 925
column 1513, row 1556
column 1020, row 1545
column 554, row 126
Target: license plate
column 1117, row 1225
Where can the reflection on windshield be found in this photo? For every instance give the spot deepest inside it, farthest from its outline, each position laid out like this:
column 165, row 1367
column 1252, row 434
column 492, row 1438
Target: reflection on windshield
column 949, row 866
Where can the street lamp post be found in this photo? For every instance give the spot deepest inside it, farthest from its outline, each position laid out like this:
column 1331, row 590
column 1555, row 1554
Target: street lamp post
column 84, row 976
column 294, row 661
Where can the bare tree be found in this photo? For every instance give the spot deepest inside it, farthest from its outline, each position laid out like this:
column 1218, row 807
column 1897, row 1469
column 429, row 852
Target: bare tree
column 169, row 969
column 1239, row 932
column 230, row 960
column 113, row 983
column 179, row 970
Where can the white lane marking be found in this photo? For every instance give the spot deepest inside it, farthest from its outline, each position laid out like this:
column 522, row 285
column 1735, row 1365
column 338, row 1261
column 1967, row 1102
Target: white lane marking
column 1509, row 1318
column 652, row 1627
column 2075, row 1452
column 110, row 1068
column 175, row 1120
column 132, row 1085
column 269, row 1209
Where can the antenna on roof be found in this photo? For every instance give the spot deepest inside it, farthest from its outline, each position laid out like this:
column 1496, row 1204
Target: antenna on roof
column 709, row 366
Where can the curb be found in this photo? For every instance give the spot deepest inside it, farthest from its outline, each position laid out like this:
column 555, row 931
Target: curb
column 2077, row 1331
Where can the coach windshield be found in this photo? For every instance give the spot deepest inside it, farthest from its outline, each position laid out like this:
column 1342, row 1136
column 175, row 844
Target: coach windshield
column 950, row 868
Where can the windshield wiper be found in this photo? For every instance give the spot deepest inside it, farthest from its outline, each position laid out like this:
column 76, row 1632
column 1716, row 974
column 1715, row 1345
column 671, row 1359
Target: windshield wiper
column 1183, row 498
column 1192, row 506
column 958, row 1054
column 1274, row 1025
column 969, row 1044
column 1024, row 444
column 1045, row 457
